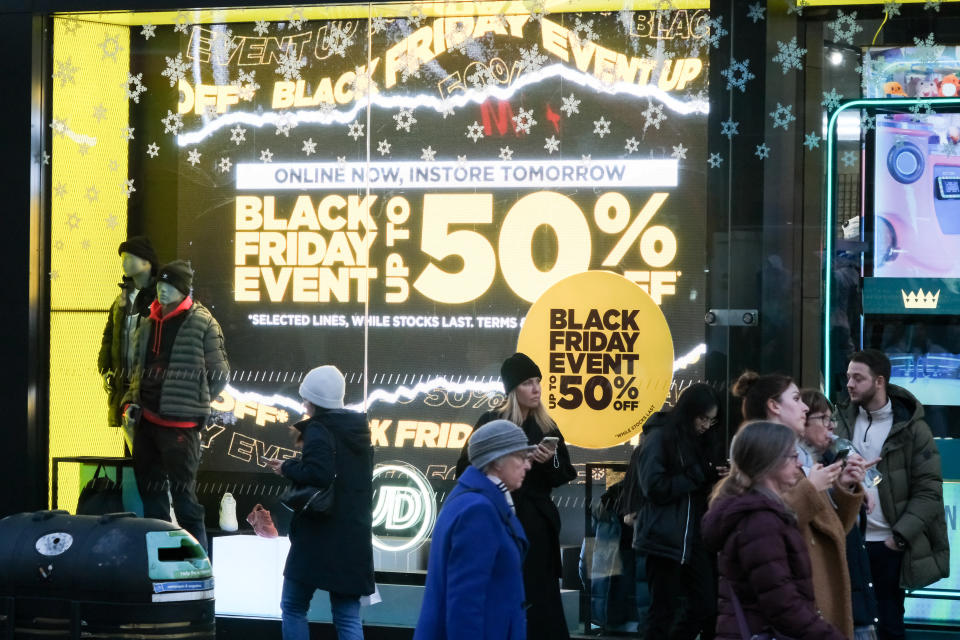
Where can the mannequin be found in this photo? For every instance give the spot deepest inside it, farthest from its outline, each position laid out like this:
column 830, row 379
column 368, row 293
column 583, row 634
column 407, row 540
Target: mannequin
column 180, row 366
column 131, row 307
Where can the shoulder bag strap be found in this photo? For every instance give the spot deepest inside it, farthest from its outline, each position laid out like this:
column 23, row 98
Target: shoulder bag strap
column 738, row 611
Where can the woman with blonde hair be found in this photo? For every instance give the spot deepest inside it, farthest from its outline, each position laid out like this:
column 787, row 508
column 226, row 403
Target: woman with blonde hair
column 766, row 589
column 536, row 511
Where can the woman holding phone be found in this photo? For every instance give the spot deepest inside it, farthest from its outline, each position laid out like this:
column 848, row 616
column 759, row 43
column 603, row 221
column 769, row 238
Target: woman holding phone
column 550, row 467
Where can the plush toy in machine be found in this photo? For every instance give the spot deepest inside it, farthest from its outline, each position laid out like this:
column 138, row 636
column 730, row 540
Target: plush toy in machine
column 894, row 89
column 950, row 86
column 927, row 88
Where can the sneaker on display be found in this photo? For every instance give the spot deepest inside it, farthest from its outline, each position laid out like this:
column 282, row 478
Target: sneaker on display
column 228, row 513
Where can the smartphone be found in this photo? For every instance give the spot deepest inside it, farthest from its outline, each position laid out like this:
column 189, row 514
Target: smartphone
column 550, row 442
column 842, row 455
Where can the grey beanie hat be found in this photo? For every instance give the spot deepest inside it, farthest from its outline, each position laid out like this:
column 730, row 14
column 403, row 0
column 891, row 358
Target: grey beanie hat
column 324, row 387
column 496, row 439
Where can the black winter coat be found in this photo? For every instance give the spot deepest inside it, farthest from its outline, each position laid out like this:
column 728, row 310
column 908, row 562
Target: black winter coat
column 334, row 552
column 672, row 480
column 540, row 518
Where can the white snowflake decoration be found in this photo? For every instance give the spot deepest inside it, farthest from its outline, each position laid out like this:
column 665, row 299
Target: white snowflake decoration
column 812, row 141
column 134, row 87
column 583, row 31
column 679, row 152
column 110, row 47
column 551, row 144
column 404, row 119
column 474, row 131
column 482, row 77
column 261, row 27
column 738, row 74
column 729, row 128
column 711, row 31
column 73, row 221
column 383, row 147
column 238, row 134
column 755, row 12
column 92, row 194
column 99, row 112
column 266, row 156
column 290, row 66
column 172, row 122
column 763, row 151
column 296, row 18
column 783, row 116
column 309, row 146
column 60, row 190
column 571, row 105
column 193, row 157
column 285, row 123
column 428, row 154
column 848, row 158
column 790, row 56
column 601, row 127
column 363, row 83
column 891, row 8
column 531, row 59
column 415, row 15
column 66, row 72
column 715, row 160
column 176, row 69
column 523, row 121
column 181, row 22
column 653, row 116
column 831, row 100
column 631, row 145
column 926, row 51
column 845, row 27
column 379, row 24
column 795, row 6
column 337, row 39
column 867, row 122
column 932, row 4
column 408, row 65
column 59, row 127
column 153, row 149
column 356, row 130
column 148, row 31
column 128, row 188
column 224, row 165
column 506, row 153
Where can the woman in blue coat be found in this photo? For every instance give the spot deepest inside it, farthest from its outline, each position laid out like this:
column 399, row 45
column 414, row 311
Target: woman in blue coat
column 474, row 588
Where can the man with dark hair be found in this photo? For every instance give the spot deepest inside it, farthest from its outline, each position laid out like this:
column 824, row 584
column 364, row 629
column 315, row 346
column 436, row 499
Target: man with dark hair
column 131, row 307
column 180, row 368
column 906, row 529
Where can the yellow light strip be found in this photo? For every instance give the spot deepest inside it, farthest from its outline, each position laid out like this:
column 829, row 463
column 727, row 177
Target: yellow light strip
column 831, row 3
column 428, row 9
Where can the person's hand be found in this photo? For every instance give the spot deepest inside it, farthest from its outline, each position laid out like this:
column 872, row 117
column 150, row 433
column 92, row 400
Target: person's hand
column 108, row 382
column 274, row 465
column 541, row 453
column 871, row 503
column 851, row 475
column 822, row 477
column 630, row 518
column 891, row 544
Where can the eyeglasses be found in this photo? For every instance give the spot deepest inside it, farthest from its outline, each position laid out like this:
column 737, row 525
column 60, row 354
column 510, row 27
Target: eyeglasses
column 822, row 418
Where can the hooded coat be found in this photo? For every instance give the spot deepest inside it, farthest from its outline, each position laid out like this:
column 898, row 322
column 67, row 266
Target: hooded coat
column 474, row 588
column 764, row 558
column 911, row 493
column 334, row 552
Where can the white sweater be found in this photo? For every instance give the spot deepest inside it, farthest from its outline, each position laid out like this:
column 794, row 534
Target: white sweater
column 869, row 434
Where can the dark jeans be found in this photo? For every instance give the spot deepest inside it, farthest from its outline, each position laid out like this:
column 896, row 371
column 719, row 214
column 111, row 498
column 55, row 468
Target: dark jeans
column 885, row 567
column 669, row 581
column 162, row 454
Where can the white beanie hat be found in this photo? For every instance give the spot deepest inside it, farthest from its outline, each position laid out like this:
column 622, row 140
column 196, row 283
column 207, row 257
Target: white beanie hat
column 324, row 387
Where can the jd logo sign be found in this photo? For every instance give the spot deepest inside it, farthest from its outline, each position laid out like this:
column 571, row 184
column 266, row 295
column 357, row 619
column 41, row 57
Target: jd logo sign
column 404, row 507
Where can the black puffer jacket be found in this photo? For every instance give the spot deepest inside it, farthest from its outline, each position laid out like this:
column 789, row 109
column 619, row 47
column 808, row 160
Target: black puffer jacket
column 334, row 552
column 673, row 483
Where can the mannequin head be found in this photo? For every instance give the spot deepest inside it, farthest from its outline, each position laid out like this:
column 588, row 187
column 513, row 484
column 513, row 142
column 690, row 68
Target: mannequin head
column 169, row 295
column 134, row 266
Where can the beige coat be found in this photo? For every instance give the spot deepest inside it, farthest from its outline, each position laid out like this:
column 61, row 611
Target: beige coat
column 825, row 529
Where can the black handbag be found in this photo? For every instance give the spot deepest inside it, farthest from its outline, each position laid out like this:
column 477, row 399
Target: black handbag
column 306, row 499
column 101, row 495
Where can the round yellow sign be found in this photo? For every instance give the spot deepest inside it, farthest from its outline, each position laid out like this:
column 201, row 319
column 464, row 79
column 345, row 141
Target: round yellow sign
column 606, row 354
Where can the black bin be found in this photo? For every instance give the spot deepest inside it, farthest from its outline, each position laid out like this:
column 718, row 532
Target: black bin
column 114, row 576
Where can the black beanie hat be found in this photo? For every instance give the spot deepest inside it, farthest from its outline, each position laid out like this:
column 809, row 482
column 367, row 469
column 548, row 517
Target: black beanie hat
column 516, row 369
column 179, row 274
column 140, row 246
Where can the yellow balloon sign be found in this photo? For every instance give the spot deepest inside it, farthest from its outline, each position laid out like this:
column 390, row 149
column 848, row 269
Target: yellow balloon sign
column 606, row 354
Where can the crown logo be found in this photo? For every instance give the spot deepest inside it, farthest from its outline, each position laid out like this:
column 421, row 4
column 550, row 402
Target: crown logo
column 920, row 300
